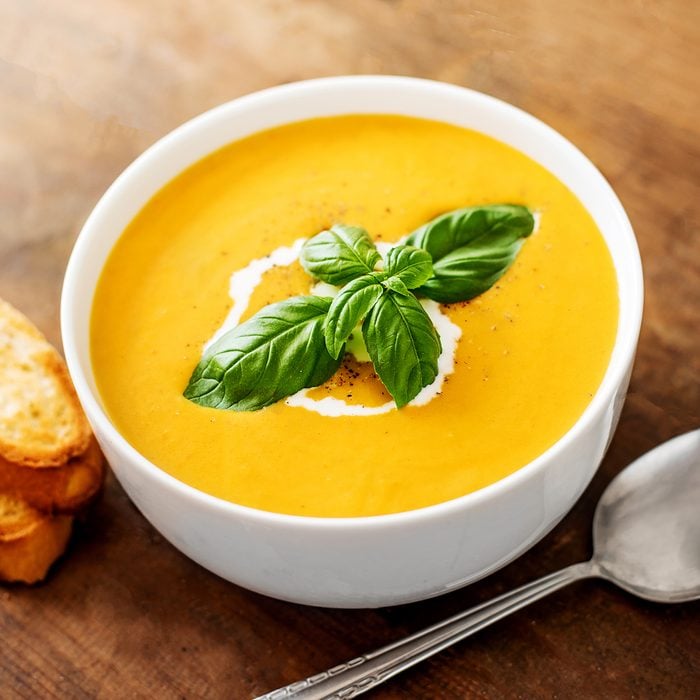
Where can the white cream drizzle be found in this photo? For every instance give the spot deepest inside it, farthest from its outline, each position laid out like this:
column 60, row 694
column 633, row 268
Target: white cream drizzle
column 244, row 281
column 242, row 285
column 537, row 218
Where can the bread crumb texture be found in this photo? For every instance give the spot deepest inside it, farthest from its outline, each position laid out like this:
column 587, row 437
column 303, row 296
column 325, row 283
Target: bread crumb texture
column 41, row 421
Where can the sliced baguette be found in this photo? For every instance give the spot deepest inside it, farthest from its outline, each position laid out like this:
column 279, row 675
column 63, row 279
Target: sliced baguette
column 63, row 489
column 41, row 421
column 29, row 540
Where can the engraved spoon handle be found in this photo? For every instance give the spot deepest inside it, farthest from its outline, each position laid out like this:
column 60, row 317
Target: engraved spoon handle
column 365, row 672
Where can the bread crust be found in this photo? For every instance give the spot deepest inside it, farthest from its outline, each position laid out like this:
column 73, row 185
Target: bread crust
column 30, row 541
column 41, row 421
column 63, row 489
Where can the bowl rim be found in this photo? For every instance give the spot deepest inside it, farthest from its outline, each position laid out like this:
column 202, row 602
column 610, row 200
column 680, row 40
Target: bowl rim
column 621, row 357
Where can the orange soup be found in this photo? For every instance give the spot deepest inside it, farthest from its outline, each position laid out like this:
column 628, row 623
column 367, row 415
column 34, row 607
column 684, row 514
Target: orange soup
column 532, row 352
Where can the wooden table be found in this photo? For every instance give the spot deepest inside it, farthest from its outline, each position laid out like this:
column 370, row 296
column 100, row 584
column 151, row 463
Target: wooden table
column 85, row 87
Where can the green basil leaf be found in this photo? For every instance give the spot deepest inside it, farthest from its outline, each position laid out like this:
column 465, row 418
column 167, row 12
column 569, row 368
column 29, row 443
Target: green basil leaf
column 274, row 354
column 472, row 226
column 471, row 248
column 339, row 255
column 403, row 344
column 467, row 272
column 351, row 305
column 396, row 285
column 413, row 266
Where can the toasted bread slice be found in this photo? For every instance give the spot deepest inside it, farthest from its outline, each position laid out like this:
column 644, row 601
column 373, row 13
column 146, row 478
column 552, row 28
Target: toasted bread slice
column 29, row 540
column 56, row 489
column 41, row 421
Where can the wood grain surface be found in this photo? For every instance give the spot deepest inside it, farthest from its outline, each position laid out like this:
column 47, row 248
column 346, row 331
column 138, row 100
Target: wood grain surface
column 86, row 86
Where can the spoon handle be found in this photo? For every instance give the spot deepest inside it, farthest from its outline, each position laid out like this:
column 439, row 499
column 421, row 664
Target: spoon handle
column 365, row 672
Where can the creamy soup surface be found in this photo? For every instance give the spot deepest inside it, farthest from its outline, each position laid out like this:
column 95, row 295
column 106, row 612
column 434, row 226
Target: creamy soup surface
column 532, row 352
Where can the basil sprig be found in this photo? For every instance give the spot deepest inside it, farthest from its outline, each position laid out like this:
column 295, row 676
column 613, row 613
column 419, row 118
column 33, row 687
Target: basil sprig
column 299, row 342
column 274, row 354
column 471, row 248
column 406, row 268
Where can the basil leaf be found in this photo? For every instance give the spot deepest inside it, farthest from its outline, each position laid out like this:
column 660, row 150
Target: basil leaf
column 403, row 344
column 469, row 271
column 472, row 226
column 351, row 305
column 339, row 255
column 413, row 266
column 274, row 354
column 396, row 285
column 471, row 248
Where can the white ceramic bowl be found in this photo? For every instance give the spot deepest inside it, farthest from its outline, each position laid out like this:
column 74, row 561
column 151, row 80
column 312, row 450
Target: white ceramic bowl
column 370, row 561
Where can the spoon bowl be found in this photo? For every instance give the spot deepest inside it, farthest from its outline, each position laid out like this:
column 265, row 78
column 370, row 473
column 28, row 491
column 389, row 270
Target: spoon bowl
column 646, row 530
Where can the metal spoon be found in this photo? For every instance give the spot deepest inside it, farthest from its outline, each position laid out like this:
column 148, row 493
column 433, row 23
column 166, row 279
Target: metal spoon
column 646, row 537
